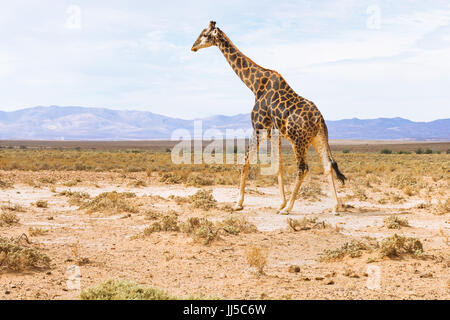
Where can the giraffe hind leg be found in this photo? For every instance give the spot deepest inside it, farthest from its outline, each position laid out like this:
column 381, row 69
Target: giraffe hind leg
column 278, row 155
column 320, row 143
column 300, row 155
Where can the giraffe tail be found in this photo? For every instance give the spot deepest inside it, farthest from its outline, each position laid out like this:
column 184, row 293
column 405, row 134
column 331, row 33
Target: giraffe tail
column 339, row 174
column 334, row 164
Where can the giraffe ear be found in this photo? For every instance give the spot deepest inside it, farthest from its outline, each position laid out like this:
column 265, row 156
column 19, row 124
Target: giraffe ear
column 212, row 25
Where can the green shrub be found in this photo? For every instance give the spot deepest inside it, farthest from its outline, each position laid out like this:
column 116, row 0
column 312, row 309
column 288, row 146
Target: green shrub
column 124, row 290
column 397, row 245
column 235, row 225
column 8, row 218
column 203, row 199
column 394, row 222
column 16, row 257
column 113, row 202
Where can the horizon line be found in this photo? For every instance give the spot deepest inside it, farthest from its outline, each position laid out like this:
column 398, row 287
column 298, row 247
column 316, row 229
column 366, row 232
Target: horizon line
column 192, row 119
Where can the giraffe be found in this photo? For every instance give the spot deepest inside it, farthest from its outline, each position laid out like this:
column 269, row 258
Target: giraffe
column 278, row 107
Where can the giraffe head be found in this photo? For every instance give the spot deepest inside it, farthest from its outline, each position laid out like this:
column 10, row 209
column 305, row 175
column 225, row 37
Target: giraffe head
column 207, row 38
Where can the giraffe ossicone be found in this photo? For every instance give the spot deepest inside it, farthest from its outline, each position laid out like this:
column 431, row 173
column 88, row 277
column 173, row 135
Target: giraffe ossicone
column 277, row 106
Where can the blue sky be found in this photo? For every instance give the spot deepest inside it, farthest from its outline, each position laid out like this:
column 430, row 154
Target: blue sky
column 364, row 59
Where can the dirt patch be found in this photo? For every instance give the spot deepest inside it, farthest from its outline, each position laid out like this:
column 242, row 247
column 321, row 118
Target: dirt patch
column 208, row 251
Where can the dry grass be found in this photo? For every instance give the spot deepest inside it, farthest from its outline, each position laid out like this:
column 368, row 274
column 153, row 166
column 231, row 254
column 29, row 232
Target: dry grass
column 168, row 222
column 111, row 202
column 235, row 225
column 114, row 289
column 41, row 204
column 396, row 246
column 13, row 207
column 123, row 290
column 391, row 247
column 171, row 178
column 5, row 184
column 203, row 199
column 395, row 222
column 36, row 231
column 399, row 175
column 8, row 218
column 71, row 183
column 442, row 207
column 305, row 224
column 199, row 180
column 15, row 256
column 137, row 183
column 151, row 214
column 257, row 258
column 75, row 198
column 401, row 181
column 353, row 249
column 310, row 191
column 201, row 229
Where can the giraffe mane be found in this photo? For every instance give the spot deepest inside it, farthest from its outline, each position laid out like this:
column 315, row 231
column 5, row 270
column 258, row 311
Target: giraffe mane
column 237, row 49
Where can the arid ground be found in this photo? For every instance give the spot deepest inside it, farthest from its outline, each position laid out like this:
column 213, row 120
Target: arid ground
column 130, row 214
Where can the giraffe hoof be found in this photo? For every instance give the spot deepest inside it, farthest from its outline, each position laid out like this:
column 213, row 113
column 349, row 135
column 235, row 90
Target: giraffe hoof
column 283, row 212
column 281, row 207
column 338, row 208
column 238, row 207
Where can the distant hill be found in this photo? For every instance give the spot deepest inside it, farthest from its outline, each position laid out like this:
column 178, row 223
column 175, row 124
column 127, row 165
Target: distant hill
column 79, row 123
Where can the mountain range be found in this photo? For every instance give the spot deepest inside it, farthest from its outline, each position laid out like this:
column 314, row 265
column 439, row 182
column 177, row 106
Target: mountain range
column 81, row 123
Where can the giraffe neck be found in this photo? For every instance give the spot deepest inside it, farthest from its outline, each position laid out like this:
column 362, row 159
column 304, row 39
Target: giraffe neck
column 246, row 69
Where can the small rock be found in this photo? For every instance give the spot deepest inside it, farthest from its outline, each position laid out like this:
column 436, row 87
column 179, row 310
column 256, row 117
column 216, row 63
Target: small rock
column 13, row 286
column 48, row 273
column 319, row 278
column 426, row 275
column 294, row 269
column 7, row 292
column 329, row 282
column 83, row 261
column 306, row 279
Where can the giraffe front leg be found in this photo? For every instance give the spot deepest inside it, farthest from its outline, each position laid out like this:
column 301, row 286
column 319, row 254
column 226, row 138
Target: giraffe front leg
column 251, row 152
column 238, row 206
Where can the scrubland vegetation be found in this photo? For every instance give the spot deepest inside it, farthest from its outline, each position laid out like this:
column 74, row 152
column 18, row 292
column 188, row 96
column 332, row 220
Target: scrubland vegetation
column 133, row 214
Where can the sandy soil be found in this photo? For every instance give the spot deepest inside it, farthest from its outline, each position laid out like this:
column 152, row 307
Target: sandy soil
column 107, row 247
